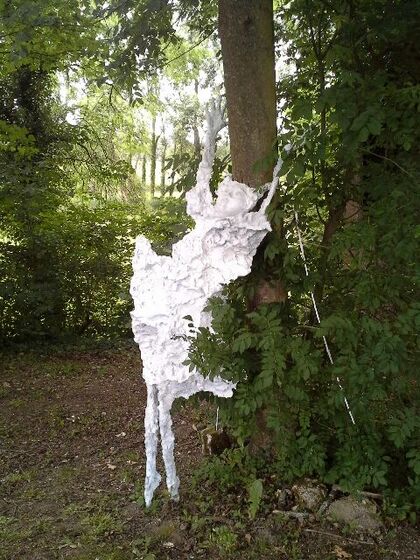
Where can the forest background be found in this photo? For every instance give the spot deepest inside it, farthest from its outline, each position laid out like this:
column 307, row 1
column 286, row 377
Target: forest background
column 100, row 113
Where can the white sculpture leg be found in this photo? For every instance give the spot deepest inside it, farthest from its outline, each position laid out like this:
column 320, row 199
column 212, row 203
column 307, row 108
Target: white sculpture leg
column 151, row 428
column 167, row 440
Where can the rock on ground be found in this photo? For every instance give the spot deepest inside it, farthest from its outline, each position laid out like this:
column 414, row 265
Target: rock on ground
column 309, row 495
column 361, row 515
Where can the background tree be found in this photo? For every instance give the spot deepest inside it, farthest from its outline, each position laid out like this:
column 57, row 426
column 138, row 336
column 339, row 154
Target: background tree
column 164, row 147
column 65, row 257
column 36, row 43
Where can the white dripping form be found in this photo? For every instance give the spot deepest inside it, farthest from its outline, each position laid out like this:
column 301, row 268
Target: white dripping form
column 166, row 290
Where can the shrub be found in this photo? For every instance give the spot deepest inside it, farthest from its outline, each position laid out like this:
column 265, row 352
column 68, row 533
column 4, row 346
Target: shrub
column 85, row 289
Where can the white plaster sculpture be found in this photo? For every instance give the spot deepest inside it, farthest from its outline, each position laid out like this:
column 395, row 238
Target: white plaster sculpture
column 166, row 289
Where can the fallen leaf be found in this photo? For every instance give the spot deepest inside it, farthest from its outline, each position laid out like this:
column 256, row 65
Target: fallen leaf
column 340, row 553
column 112, row 467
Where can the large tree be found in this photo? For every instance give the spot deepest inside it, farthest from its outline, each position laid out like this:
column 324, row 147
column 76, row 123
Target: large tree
column 247, row 40
column 246, row 32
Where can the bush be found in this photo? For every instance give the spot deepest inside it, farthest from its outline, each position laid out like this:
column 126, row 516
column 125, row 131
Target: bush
column 87, row 253
column 350, row 119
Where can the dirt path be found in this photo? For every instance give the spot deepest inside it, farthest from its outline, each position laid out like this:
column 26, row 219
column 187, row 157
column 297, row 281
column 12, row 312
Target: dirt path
column 72, row 469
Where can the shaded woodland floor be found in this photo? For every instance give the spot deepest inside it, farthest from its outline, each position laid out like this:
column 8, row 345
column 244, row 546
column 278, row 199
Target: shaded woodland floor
column 72, row 469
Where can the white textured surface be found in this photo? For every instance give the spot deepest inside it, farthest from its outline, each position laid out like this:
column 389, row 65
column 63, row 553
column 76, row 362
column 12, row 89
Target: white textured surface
column 165, row 290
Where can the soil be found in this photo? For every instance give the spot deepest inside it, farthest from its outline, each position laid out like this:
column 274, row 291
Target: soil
column 72, row 470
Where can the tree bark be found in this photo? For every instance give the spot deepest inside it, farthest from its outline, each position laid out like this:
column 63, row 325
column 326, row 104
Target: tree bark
column 164, row 145
column 247, row 40
column 153, row 155
column 144, row 170
column 173, row 171
column 197, row 143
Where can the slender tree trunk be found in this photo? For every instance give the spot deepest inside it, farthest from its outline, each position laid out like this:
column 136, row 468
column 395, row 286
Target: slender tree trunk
column 153, row 155
column 173, row 172
column 136, row 161
column 144, row 171
column 247, row 39
column 164, row 145
column 197, row 143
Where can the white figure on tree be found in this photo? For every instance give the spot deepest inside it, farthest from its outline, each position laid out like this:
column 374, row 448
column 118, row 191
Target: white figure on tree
column 166, row 290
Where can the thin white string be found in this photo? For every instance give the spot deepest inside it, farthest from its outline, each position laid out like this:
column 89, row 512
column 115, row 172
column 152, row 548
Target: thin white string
column 327, row 348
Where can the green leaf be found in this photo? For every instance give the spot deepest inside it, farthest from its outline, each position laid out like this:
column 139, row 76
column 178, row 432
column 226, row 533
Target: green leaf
column 255, row 492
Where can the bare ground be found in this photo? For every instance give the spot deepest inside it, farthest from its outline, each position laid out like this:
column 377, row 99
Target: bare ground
column 72, row 469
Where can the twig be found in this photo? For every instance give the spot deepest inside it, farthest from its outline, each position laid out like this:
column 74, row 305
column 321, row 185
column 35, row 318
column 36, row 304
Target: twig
column 321, row 219
column 363, row 493
column 186, row 51
column 328, row 534
column 299, row 515
column 373, row 495
column 391, row 161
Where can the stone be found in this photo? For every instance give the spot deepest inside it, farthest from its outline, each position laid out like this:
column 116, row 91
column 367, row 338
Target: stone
column 131, row 510
column 360, row 515
column 309, row 495
column 300, row 516
column 284, row 498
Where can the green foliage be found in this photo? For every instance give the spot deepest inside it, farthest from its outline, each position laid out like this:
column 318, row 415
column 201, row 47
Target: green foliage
column 108, row 140
column 144, row 36
column 227, row 473
column 65, row 237
column 255, row 492
column 45, row 35
column 351, row 116
column 224, row 539
column 89, row 253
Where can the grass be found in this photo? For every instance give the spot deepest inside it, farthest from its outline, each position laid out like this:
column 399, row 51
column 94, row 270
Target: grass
column 99, row 525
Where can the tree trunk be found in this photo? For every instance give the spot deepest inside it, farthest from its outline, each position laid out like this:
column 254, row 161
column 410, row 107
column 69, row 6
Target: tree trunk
column 144, row 171
column 173, row 170
column 164, row 144
column 153, row 158
column 197, row 143
column 247, row 40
